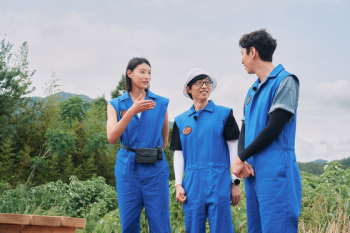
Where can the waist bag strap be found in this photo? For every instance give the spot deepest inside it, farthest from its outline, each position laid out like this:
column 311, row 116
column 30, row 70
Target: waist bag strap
column 127, row 148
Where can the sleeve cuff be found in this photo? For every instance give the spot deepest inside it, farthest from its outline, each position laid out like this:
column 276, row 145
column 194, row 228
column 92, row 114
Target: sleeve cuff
column 178, row 182
column 284, row 107
column 233, row 177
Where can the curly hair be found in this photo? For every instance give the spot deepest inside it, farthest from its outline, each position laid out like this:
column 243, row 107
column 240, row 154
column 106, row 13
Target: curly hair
column 262, row 41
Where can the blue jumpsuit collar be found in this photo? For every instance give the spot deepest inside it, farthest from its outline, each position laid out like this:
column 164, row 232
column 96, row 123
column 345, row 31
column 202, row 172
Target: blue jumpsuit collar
column 273, row 74
column 210, row 107
column 276, row 71
column 126, row 95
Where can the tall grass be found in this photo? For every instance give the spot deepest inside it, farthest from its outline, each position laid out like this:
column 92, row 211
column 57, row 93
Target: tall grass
column 334, row 220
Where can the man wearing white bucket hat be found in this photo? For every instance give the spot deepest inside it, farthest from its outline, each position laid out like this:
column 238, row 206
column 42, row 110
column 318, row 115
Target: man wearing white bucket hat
column 204, row 139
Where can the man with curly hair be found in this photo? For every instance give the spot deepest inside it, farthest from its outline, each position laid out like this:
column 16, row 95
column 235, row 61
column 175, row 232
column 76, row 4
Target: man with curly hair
column 267, row 139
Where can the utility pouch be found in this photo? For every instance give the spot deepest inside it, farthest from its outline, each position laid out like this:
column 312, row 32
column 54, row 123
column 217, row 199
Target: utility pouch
column 160, row 152
column 146, row 155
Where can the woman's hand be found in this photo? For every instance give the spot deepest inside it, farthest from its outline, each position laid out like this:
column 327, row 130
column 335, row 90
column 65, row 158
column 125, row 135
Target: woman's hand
column 180, row 193
column 235, row 194
column 141, row 105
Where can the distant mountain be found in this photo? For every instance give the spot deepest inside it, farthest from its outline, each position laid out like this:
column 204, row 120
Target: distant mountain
column 65, row 95
column 317, row 167
column 319, row 161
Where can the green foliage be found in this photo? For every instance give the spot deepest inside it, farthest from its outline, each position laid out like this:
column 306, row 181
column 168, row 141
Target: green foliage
column 120, row 89
column 39, row 163
column 73, row 109
column 311, row 167
column 59, row 141
column 14, row 77
column 100, row 102
column 97, row 142
column 169, row 155
column 75, row 199
column 345, row 162
column 316, row 167
column 7, row 158
column 325, row 203
column 324, row 196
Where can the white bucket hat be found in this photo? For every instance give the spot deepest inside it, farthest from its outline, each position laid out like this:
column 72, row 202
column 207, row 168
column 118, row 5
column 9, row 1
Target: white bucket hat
column 194, row 73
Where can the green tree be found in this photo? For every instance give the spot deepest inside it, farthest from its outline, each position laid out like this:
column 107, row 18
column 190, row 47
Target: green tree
column 120, row 89
column 73, row 109
column 14, row 84
column 100, row 102
column 58, row 142
column 14, row 77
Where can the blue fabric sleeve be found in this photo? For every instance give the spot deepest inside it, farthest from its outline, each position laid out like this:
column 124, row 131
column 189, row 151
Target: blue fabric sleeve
column 286, row 96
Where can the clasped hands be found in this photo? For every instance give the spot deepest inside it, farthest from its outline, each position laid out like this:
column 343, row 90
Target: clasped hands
column 242, row 169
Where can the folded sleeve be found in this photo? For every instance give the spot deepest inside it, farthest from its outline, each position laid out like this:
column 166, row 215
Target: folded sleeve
column 286, row 96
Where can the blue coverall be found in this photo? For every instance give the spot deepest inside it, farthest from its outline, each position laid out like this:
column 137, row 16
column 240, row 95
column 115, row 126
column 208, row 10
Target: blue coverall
column 274, row 193
column 207, row 181
column 138, row 184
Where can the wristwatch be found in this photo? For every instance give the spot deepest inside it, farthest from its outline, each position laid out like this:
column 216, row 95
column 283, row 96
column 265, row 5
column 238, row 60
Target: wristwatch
column 236, row 181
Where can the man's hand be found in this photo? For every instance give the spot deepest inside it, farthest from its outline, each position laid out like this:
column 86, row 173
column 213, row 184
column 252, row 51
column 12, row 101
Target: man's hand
column 180, row 193
column 242, row 169
column 247, row 170
column 237, row 167
column 235, row 194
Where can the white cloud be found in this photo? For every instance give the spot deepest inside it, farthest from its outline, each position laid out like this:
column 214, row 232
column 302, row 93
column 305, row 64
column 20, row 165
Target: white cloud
column 335, row 94
column 89, row 54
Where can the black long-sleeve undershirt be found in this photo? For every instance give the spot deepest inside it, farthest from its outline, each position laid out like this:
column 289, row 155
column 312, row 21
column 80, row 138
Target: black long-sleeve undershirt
column 278, row 119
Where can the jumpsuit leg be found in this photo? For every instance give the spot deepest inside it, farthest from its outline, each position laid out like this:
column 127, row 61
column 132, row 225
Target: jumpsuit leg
column 155, row 192
column 276, row 191
column 129, row 194
column 218, row 201
column 253, row 212
column 130, row 204
column 194, row 207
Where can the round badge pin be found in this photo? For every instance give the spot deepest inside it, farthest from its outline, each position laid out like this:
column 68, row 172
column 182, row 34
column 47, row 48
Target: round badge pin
column 187, row 130
column 122, row 113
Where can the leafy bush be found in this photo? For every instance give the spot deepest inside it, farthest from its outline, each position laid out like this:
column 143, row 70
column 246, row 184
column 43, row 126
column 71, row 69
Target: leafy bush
column 76, row 199
column 325, row 203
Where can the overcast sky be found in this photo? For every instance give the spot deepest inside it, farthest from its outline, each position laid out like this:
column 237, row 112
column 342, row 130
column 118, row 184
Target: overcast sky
column 89, row 43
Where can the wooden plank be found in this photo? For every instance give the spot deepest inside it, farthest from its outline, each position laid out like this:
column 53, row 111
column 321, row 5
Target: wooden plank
column 73, row 222
column 37, row 229
column 14, row 219
column 5, row 228
column 64, row 230
column 45, row 220
column 34, row 229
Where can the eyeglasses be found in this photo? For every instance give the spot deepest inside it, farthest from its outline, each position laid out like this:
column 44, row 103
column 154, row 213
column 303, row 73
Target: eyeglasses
column 200, row 83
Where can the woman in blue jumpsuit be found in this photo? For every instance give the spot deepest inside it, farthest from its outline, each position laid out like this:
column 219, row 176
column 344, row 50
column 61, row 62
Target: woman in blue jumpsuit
column 139, row 119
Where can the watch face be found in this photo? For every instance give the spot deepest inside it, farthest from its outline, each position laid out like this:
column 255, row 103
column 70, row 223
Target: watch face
column 237, row 181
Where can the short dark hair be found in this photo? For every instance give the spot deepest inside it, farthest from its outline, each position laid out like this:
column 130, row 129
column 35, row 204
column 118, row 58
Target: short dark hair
column 262, row 41
column 194, row 80
column 133, row 63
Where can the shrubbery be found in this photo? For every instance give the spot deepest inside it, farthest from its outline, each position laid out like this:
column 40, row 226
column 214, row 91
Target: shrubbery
column 325, row 204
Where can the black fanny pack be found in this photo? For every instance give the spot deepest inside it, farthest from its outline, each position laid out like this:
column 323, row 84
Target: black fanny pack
column 146, row 155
